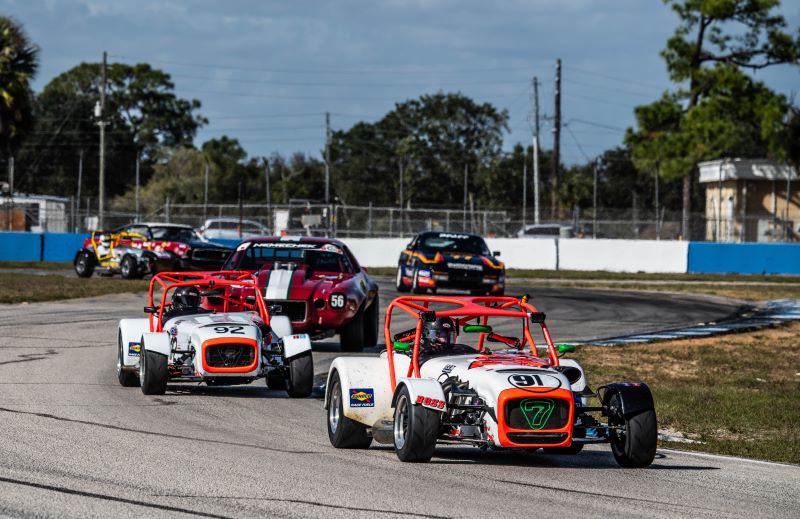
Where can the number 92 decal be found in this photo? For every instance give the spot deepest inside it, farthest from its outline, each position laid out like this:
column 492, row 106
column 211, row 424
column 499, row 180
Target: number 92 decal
column 234, row 330
column 337, row 301
column 535, row 383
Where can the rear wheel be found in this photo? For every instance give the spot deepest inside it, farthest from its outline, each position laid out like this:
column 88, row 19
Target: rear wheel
column 352, row 335
column 152, row 372
column 415, row 429
column 343, row 432
column 634, row 438
column 371, row 329
column 300, row 376
column 129, row 268
column 415, row 283
column 127, row 378
column 398, row 283
column 84, row 264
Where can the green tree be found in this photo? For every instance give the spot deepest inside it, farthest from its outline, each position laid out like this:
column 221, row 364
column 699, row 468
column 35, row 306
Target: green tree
column 143, row 114
column 715, row 41
column 19, row 61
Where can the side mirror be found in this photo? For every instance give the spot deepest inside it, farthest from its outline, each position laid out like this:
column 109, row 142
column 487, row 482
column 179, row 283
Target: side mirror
column 496, row 253
column 151, row 309
column 401, row 346
column 564, row 348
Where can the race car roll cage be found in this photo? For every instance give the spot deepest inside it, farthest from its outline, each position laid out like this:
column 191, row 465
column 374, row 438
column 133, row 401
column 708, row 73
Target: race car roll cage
column 469, row 308
column 212, row 280
column 114, row 239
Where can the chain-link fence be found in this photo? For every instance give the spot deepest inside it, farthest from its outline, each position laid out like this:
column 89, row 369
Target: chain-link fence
column 50, row 214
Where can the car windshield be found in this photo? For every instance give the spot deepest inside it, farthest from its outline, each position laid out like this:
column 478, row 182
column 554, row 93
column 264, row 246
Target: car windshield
column 179, row 234
column 262, row 256
column 446, row 242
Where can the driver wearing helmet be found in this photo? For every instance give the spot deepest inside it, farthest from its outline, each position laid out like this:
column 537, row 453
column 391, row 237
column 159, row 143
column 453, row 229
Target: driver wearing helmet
column 185, row 301
column 439, row 338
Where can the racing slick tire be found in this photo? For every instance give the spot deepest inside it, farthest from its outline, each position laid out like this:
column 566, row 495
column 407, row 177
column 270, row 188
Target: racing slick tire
column 300, row 376
column 343, row 432
column 129, row 267
column 152, row 372
column 371, row 324
column 398, row 283
column 415, row 429
column 84, row 264
column 127, row 378
column 415, row 288
column 276, row 381
column 351, row 337
column 636, row 446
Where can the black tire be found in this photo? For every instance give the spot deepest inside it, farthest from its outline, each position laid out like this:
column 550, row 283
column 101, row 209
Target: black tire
column 415, row 288
column 84, row 264
column 152, row 372
column 300, row 376
column 371, row 319
column 129, row 267
column 575, row 448
column 635, row 446
column 351, row 337
column 343, row 432
column 127, row 378
column 398, row 282
column 415, row 429
column 276, row 381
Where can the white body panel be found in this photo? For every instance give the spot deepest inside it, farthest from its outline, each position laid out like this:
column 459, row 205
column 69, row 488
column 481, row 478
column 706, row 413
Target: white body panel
column 130, row 332
column 296, row 345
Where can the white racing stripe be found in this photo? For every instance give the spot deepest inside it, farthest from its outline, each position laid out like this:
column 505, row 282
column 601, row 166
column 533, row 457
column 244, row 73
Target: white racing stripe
column 278, row 284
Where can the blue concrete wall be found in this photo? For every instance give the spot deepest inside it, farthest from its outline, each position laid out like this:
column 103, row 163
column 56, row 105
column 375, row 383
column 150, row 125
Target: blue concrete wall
column 20, row 246
column 62, row 246
column 744, row 258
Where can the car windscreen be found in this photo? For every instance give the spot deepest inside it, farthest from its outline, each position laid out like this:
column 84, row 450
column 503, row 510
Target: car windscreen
column 262, row 256
column 179, row 234
column 453, row 243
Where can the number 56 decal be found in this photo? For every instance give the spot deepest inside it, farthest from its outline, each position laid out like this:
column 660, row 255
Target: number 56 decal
column 337, row 301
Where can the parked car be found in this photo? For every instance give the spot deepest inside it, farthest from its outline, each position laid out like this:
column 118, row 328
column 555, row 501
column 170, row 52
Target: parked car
column 442, row 260
column 170, row 247
column 317, row 283
column 228, row 228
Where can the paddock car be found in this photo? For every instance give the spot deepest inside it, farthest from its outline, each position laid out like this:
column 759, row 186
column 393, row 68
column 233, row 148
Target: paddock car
column 433, row 261
column 493, row 390
column 317, row 283
column 138, row 249
column 182, row 341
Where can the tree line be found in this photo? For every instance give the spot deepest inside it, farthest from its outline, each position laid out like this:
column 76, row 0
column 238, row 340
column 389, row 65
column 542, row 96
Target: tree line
column 419, row 153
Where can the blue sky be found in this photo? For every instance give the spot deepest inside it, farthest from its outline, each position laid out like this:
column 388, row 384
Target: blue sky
column 267, row 71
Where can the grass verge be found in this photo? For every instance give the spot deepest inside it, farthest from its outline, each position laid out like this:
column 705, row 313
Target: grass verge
column 36, row 265
column 736, row 394
column 19, row 288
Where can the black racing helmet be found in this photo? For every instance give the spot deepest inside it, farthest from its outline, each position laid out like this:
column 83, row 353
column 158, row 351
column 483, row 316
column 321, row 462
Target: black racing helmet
column 185, row 297
column 441, row 332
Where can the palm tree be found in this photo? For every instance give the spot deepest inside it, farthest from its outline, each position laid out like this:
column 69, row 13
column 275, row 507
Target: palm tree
column 19, row 60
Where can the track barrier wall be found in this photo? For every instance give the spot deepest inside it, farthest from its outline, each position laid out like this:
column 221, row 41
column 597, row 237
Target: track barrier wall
column 655, row 256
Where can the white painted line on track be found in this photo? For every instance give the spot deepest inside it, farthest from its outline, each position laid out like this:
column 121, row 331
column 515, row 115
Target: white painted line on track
column 700, row 454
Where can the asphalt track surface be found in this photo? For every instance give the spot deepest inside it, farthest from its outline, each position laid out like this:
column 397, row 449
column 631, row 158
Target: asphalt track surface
column 73, row 443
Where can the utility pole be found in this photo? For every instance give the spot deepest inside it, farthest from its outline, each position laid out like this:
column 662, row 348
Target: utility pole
column 327, row 156
column 137, row 185
column 536, row 150
column 524, row 190
column 10, row 193
column 78, row 196
column 241, row 209
column 102, row 123
column 205, row 191
column 658, row 219
column 554, row 174
column 594, row 202
column 402, row 199
column 464, row 219
column 270, row 220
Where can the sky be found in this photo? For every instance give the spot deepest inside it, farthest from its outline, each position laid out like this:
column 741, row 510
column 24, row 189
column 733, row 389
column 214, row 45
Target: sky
column 267, row 71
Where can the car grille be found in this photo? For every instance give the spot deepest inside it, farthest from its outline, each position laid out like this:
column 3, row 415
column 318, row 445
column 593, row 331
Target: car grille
column 229, row 355
column 538, row 438
column 535, row 414
column 294, row 310
column 210, row 255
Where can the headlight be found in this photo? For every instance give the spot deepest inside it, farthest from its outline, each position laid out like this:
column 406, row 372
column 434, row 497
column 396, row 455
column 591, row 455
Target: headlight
column 424, row 273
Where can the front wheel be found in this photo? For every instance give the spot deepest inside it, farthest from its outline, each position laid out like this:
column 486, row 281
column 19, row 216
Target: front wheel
column 415, row 429
column 152, row 372
column 129, row 268
column 300, row 376
column 127, row 378
column 371, row 319
column 415, row 288
column 633, row 438
column 352, row 335
column 398, row 283
column 84, row 265
column 343, row 432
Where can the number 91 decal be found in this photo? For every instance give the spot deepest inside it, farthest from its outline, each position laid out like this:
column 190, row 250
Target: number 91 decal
column 337, row 301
